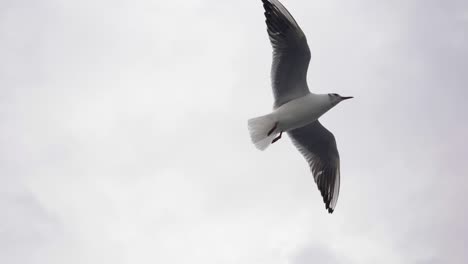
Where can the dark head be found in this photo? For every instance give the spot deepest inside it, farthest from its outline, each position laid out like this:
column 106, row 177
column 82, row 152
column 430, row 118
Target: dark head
column 336, row 98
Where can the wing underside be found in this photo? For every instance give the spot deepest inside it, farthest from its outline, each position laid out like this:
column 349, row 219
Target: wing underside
column 291, row 54
column 318, row 146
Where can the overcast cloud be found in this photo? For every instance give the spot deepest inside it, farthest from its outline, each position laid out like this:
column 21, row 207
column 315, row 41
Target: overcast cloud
column 123, row 133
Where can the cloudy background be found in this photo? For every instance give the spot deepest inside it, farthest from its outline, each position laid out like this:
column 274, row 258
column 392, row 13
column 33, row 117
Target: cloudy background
column 123, row 133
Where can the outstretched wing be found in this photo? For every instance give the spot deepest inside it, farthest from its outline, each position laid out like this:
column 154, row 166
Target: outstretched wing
column 318, row 146
column 291, row 54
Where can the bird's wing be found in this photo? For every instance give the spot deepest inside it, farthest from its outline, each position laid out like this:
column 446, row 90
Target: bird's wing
column 291, row 54
column 318, row 146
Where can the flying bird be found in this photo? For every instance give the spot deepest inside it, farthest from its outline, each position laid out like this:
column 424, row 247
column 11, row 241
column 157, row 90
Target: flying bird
column 296, row 110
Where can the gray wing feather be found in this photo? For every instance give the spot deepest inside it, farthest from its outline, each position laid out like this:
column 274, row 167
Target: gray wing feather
column 291, row 54
column 318, row 146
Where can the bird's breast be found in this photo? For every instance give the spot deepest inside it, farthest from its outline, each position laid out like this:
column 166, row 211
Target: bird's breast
column 301, row 111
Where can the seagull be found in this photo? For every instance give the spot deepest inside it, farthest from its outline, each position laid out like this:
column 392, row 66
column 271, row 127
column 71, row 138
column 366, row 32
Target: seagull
column 296, row 110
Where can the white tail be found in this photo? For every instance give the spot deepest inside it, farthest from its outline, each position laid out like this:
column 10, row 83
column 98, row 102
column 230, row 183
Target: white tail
column 259, row 127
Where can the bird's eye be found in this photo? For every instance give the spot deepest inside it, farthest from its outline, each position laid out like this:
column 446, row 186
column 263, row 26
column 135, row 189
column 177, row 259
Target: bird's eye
column 334, row 94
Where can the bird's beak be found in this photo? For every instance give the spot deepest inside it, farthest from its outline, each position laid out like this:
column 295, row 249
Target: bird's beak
column 346, row 97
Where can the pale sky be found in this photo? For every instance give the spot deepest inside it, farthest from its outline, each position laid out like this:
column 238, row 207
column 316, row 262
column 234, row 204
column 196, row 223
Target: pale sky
column 124, row 137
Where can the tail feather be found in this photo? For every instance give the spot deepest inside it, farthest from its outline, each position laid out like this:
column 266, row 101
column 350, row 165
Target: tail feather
column 259, row 127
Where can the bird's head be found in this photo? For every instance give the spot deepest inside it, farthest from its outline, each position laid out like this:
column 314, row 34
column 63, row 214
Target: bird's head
column 336, row 98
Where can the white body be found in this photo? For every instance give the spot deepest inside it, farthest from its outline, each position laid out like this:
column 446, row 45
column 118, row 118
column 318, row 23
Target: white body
column 301, row 111
column 293, row 114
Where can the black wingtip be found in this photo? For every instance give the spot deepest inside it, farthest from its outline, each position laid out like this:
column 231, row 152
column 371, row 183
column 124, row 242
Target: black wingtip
column 326, row 200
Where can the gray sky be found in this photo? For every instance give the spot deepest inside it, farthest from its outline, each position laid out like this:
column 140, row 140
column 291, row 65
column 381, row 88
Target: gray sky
column 123, row 133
